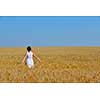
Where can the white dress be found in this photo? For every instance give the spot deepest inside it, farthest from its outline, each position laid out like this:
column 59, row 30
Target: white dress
column 29, row 59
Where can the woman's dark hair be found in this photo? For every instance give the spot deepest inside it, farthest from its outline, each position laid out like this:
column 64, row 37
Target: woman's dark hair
column 28, row 48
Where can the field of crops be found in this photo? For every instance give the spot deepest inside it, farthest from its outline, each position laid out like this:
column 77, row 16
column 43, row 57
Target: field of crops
column 59, row 65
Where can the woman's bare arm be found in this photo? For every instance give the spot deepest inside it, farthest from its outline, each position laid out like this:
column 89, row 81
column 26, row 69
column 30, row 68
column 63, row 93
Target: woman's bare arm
column 24, row 58
column 34, row 55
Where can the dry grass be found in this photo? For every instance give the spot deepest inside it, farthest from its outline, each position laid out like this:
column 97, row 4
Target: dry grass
column 59, row 64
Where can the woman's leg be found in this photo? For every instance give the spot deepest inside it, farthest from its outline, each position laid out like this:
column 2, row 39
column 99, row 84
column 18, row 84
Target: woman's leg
column 29, row 66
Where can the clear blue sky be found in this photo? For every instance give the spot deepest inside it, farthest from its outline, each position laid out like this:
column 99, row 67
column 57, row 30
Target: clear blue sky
column 50, row 31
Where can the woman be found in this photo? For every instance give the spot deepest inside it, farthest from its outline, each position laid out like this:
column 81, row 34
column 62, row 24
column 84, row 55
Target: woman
column 29, row 57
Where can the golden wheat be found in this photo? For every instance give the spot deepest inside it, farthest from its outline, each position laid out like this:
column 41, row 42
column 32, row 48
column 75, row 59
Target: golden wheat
column 59, row 65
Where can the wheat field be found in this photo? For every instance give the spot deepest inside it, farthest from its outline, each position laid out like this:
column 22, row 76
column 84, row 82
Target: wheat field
column 59, row 65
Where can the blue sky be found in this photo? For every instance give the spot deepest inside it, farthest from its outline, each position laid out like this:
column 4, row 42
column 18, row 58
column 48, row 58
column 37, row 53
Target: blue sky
column 49, row 31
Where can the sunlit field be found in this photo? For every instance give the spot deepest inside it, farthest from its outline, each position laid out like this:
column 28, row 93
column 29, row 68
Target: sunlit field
column 59, row 65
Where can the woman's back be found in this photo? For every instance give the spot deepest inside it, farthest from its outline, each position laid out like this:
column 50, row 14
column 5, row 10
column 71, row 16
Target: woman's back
column 29, row 55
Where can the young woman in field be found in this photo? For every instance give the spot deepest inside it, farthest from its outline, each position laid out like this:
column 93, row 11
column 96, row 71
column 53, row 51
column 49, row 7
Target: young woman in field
column 28, row 58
